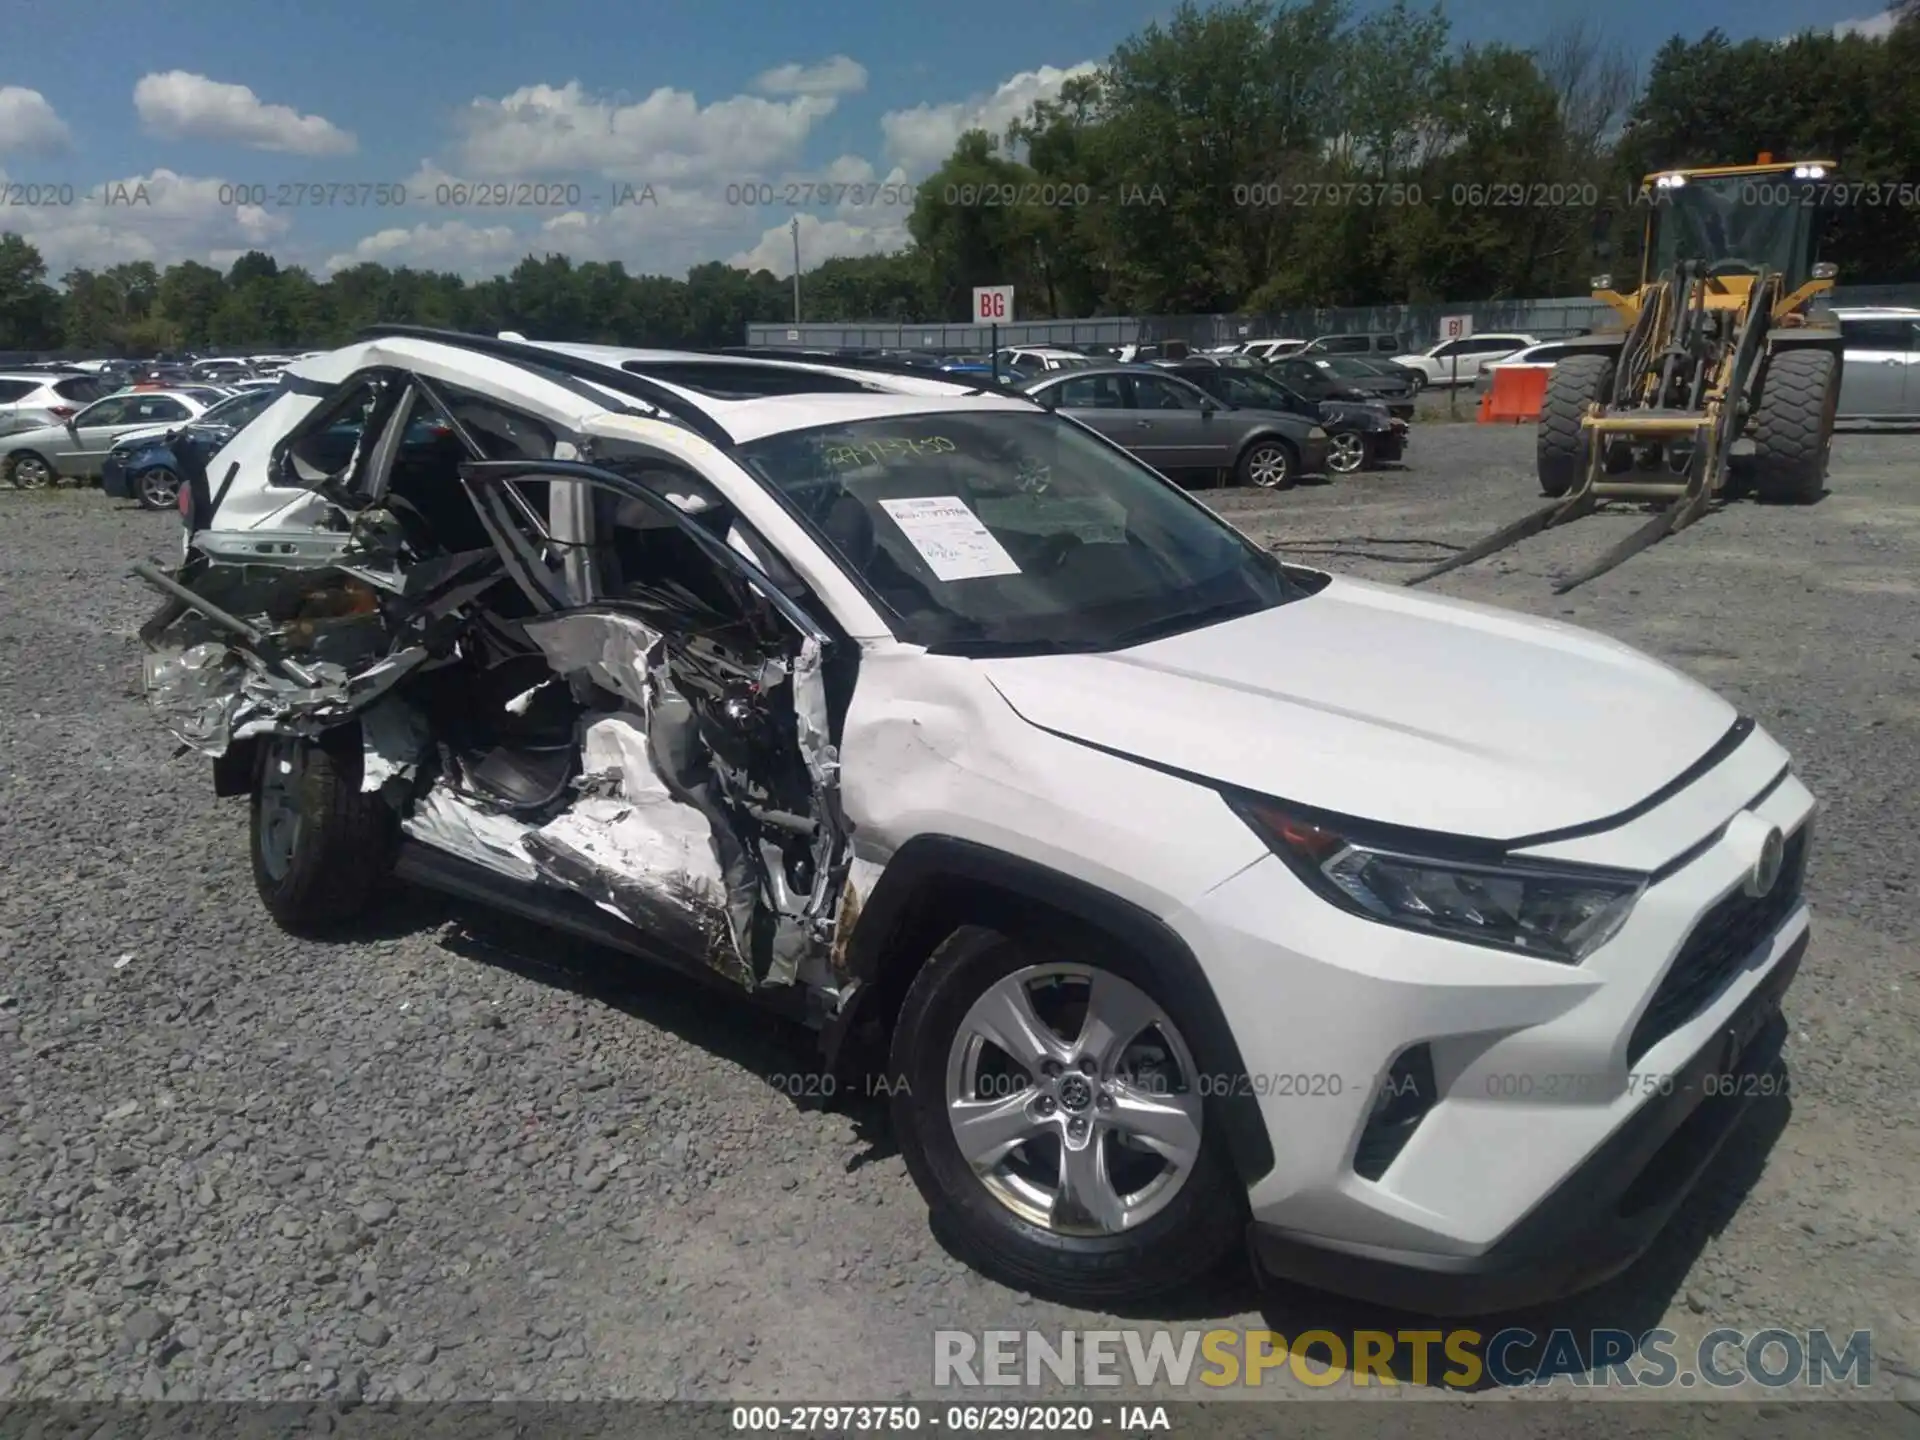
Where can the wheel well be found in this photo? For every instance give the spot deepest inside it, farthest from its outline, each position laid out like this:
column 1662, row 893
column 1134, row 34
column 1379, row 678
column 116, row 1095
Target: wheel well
column 1276, row 436
column 935, row 884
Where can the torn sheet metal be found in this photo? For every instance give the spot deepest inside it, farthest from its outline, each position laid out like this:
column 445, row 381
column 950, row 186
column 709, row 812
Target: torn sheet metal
column 394, row 739
column 197, row 694
column 446, row 822
column 611, row 649
column 639, row 853
column 810, row 715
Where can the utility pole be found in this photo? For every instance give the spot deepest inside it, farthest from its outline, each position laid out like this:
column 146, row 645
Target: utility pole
column 795, row 227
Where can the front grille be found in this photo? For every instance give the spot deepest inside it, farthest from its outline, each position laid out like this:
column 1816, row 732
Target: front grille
column 1725, row 936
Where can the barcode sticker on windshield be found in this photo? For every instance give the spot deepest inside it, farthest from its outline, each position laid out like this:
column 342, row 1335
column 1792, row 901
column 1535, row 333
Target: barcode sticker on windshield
column 950, row 537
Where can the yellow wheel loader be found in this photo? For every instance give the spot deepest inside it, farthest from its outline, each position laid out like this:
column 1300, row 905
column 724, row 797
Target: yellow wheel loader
column 1716, row 345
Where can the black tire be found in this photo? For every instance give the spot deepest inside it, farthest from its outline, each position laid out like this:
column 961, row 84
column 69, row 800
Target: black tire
column 1793, row 427
column 153, row 490
column 1201, row 1224
column 24, row 462
column 1274, row 462
column 1561, row 455
column 325, row 875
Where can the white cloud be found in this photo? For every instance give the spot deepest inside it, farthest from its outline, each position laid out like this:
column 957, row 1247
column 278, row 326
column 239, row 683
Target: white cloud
column 474, row 251
column 544, row 130
column 29, row 125
column 162, row 216
column 823, row 239
column 1877, row 27
column 921, row 138
column 183, row 106
column 667, row 233
column 837, row 75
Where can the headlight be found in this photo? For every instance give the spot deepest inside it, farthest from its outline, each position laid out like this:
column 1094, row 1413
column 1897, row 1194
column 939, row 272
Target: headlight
column 1559, row 913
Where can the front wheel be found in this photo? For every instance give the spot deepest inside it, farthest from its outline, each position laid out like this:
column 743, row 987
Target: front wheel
column 1562, row 450
column 1348, row 452
column 320, row 845
column 1053, row 1117
column 1793, row 427
column 28, row 471
column 157, row 489
column 1269, row 464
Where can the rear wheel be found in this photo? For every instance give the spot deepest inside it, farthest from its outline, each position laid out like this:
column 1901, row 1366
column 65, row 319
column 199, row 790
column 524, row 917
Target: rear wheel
column 1576, row 383
column 1347, row 452
column 1053, row 1117
column 1268, row 463
column 29, row 471
column 157, row 489
column 1793, row 427
column 320, row 846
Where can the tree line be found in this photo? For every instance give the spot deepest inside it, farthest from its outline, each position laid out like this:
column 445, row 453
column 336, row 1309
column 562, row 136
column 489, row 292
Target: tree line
column 1238, row 159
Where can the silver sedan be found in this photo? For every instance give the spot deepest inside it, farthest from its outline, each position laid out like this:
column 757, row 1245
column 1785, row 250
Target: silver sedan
column 78, row 449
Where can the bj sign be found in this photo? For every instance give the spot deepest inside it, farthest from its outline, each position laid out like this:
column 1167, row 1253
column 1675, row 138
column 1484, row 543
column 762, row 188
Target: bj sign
column 992, row 304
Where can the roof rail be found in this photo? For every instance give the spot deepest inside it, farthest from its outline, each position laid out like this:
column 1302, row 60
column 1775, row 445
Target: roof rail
column 625, row 382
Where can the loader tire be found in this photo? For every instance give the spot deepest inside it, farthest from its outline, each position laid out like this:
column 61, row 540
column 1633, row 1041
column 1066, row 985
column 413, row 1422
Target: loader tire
column 1577, row 382
column 1793, row 427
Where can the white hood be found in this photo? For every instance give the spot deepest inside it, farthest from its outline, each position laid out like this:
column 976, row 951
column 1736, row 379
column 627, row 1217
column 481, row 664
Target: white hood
column 1380, row 704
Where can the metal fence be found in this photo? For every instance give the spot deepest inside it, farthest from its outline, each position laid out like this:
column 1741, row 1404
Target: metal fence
column 1418, row 326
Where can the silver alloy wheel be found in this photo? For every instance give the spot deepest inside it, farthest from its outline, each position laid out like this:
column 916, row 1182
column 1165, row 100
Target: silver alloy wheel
column 30, row 472
column 280, row 817
column 1346, row 452
column 1268, row 466
column 1089, row 1135
column 159, row 488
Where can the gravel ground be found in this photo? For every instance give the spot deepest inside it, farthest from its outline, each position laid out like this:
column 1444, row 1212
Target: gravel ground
column 459, row 1158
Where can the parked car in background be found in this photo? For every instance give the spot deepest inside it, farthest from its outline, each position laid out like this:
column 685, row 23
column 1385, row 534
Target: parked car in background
column 33, row 400
column 1181, row 430
column 1880, row 370
column 1344, row 377
column 1269, row 350
column 1542, row 356
column 1361, row 343
column 1142, row 352
column 1442, row 364
column 1361, row 433
column 1030, row 360
column 77, row 449
column 144, row 465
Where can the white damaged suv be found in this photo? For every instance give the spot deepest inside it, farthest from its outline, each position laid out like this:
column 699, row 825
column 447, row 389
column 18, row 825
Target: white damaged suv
column 1198, row 899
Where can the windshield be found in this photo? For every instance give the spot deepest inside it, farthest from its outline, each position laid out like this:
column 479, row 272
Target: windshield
column 992, row 533
column 1250, row 389
column 240, row 409
column 1758, row 220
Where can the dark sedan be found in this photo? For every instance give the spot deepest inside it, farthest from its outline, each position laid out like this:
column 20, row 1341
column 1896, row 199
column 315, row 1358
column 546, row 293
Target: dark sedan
column 1335, row 377
column 1362, row 433
column 146, row 467
column 1180, row 430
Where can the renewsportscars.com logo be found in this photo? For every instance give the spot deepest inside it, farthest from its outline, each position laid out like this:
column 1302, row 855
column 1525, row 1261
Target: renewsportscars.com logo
column 1451, row 1359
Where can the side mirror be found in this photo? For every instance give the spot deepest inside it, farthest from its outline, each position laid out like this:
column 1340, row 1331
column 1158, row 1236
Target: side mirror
column 1208, row 407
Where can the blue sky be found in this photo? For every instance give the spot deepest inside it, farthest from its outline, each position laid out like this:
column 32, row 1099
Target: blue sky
column 644, row 132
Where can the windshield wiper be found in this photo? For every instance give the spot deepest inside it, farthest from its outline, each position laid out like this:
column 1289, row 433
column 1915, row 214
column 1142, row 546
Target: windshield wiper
column 1183, row 621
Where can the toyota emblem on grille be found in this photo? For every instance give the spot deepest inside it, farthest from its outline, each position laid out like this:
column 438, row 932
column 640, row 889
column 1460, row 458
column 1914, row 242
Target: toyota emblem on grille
column 1766, row 870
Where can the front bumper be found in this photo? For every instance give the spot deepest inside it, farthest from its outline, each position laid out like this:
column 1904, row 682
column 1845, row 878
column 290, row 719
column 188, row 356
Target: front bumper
column 1601, row 1218
column 1536, row 1068
column 1391, row 443
column 113, row 477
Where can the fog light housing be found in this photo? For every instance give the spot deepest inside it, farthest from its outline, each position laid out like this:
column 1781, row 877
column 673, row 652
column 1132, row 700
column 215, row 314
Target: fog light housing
column 1405, row 1096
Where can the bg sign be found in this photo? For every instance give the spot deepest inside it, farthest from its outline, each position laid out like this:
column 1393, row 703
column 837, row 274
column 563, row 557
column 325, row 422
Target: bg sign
column 1452, row 327
column 992, row 304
